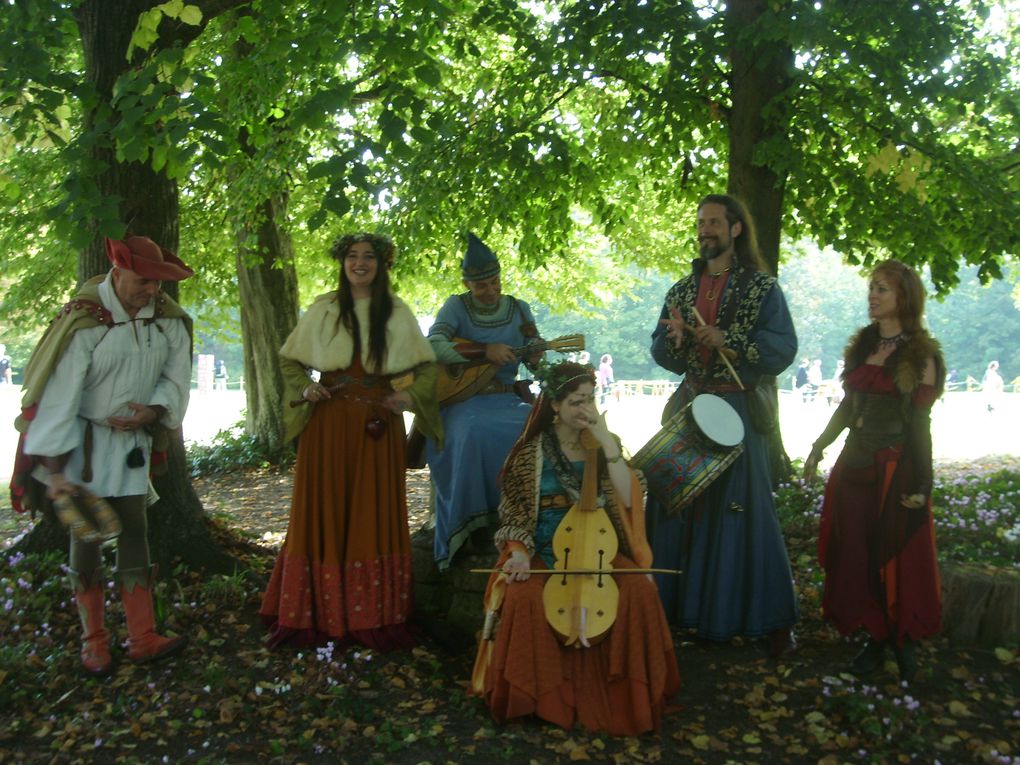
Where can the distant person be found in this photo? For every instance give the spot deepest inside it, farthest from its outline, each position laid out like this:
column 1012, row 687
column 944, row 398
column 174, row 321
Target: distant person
column 992, row 386
column 6, row 374
column 111, row 374
column 220, row 375
column 605, row 377
column 800, row 376
column 344, row 571
column 832, row 389
column 877, row 537
column 814, row 375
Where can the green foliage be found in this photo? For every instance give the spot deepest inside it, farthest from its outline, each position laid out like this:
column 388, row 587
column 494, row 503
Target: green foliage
column 614, row 323
column 233, row 449
column 978, row 518
column 226, row 590
column 29, row 597
column 886, row 723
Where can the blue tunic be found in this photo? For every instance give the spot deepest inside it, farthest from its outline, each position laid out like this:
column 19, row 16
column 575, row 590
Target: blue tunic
column 479, row 432
column 737, row 578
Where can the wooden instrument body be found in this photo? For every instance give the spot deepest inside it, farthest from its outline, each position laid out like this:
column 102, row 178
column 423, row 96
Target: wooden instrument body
column 459, row 382
column 582, row 607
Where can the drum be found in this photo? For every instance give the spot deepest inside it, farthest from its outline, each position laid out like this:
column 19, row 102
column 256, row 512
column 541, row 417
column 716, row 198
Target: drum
column 691, row 451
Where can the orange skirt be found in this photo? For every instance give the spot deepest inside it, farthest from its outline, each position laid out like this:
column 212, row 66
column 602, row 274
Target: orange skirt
column 620, row 685
column 344, row 572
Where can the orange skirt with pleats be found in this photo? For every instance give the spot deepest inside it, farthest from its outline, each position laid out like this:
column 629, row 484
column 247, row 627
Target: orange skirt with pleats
column 344, row 572
column 620, row 685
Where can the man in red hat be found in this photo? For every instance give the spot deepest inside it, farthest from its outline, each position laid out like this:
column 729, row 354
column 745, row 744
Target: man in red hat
column 111, row 374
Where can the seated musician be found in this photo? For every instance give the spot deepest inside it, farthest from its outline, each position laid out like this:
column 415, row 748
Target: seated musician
column 617, row 681
column 480, row 324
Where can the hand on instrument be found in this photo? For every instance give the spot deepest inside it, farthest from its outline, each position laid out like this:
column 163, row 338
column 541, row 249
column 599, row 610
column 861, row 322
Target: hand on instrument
column 675, row 327
column 710, row 336
column 499, row 353
column 533, row 358
column 143, row 416
column 315, row 392
column 913, row 501
column 517, row 567
column 398, row 401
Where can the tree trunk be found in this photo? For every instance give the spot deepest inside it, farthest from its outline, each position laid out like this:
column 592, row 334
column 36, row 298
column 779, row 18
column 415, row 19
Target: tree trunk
column 148, row 204
column 980, row 605
column 269, row 309
column 760, row 75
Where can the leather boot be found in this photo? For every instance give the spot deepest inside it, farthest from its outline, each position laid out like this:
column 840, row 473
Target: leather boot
column 906, row 660
column 144, row 644
column 871, row 658
column 95, row 642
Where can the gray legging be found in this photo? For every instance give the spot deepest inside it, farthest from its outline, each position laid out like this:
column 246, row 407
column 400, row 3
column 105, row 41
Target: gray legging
column 132, row 544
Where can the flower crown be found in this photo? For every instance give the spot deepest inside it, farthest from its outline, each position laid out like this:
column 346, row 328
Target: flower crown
column 553, row 379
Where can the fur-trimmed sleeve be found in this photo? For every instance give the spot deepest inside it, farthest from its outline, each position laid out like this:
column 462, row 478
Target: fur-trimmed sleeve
column 519, row 498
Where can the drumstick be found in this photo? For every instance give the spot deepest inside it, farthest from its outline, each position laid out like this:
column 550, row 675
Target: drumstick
column 722, row 355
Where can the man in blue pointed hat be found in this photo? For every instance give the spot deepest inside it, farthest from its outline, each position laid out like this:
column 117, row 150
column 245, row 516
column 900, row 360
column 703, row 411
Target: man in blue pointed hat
column 486, row 407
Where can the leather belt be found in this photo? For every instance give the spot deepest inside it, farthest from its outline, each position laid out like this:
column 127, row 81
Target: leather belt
column 553, row 501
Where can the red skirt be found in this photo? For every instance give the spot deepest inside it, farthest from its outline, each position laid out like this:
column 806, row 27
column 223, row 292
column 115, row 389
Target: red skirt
column 344, row 572
column 893, row 595
column 620, row 685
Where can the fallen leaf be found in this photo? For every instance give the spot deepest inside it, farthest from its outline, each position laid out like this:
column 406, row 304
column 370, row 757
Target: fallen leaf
column 1005, row 655
column 958, row 709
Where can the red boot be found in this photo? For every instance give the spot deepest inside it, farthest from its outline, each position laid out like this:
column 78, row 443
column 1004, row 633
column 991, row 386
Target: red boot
column 143, row 643
column 95, row 642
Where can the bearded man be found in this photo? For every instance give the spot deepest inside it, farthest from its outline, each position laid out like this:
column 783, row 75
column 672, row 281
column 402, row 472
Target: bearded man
column 736, row 577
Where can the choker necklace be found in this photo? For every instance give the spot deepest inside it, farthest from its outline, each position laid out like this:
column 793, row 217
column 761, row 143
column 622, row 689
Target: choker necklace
column 575, row 444
column 712, row 294
column 890, row 342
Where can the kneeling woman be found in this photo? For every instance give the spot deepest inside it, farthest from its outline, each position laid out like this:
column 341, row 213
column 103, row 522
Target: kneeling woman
column 619, row 683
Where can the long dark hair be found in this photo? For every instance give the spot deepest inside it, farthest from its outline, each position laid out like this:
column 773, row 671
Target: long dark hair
column 381, row 307
column 745, row 246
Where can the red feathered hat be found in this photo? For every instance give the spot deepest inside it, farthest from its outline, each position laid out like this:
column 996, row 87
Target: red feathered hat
column 147, row 259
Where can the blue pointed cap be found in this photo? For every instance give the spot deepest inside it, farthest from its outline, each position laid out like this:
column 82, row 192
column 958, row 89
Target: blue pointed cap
column 479, row 262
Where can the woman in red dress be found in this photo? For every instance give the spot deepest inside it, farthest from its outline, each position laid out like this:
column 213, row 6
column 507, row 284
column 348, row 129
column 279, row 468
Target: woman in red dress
column 877, row 536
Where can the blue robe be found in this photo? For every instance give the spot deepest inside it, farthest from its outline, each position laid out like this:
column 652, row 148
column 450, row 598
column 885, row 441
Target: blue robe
column 728, row 543
column 479, row 432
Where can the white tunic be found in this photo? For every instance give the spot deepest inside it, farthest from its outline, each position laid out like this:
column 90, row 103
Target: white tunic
column 102, row 370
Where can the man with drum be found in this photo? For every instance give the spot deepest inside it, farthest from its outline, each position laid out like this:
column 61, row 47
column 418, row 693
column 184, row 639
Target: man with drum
column 726, row 327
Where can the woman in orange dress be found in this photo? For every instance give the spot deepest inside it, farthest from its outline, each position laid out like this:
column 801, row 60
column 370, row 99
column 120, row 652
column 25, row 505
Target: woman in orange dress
column 344, row 572
column 620, row 684
column 877, row 536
